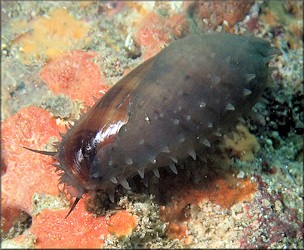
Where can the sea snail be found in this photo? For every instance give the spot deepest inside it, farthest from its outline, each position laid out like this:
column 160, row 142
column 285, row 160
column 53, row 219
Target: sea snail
column 170, row 107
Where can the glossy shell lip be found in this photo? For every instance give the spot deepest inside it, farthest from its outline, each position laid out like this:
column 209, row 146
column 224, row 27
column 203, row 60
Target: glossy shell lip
column 76, row 163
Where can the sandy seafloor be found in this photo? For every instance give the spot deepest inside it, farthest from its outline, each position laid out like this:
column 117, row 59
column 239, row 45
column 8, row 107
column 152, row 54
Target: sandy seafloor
column 273, row 215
